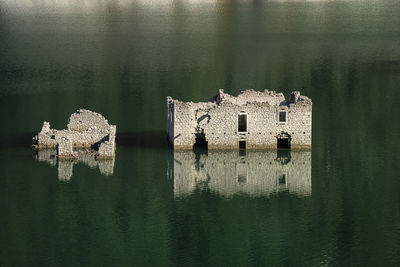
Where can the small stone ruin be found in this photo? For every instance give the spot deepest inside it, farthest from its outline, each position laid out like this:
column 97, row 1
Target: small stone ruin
column 85, row 129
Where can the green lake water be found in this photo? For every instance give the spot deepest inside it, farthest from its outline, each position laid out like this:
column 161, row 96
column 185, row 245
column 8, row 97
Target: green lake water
column 338, row 205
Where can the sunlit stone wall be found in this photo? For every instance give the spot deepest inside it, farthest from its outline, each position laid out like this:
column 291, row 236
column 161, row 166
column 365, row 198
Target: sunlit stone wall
column 259, row 173
column 218, row 120
column 85, row 129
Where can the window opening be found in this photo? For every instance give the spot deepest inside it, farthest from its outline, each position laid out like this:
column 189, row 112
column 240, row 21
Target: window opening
column 242, row 122
column 282, row 116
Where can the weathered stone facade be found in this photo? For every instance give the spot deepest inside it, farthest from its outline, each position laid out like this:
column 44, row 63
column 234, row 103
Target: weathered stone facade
column 255, row 120
column 226, row 173
column 65, row 166
column 85, row 129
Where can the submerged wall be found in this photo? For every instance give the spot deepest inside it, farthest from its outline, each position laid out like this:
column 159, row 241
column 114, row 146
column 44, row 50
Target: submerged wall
column 217, row 120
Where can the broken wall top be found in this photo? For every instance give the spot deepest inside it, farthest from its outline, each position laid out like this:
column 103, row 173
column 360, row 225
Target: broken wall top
column 251, row 96
column 84, row 119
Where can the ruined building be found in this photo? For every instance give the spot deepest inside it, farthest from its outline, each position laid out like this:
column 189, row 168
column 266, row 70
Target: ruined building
column 252, row 120
column 85, row 129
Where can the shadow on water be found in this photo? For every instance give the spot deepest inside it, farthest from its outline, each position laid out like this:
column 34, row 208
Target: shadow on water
column 145, row 139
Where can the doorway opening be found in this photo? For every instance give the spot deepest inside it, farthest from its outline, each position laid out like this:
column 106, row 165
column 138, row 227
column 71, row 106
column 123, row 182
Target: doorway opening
column 283, row 141
column 242, row 148
column 201, row 144
column 242, row 145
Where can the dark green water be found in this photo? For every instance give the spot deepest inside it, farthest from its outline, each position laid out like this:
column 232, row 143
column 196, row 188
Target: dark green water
column 337, row 206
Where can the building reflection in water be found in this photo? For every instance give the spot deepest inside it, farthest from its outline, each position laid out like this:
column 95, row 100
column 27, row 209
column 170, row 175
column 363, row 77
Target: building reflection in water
column 255, row 173
column 65, row 166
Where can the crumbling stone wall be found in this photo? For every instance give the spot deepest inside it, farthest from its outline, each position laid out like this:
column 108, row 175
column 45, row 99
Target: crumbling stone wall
column 106, row 150
column 259, row 173
column 65, row 148
column 85, row 120
column 217, row 119
column 85, row 129
column 170, row 118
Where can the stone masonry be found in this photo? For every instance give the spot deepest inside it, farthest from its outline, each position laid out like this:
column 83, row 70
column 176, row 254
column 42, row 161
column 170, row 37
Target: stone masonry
column 252, row 120
column 226, row 173
column 85, row 129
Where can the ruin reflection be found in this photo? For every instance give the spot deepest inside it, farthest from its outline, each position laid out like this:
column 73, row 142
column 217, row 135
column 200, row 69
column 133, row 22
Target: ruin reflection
column 257, row 173
column 65, row 166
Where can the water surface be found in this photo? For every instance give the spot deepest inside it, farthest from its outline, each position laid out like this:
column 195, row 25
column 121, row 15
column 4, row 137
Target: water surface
column 338, row 205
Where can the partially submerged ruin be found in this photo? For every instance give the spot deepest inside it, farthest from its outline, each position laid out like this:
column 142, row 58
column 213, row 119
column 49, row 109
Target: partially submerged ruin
column 252, row 120
column 85, row 129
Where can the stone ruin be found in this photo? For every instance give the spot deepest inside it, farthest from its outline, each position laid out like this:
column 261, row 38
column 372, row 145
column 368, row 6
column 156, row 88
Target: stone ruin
column 252, row 120
column 85, row 129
